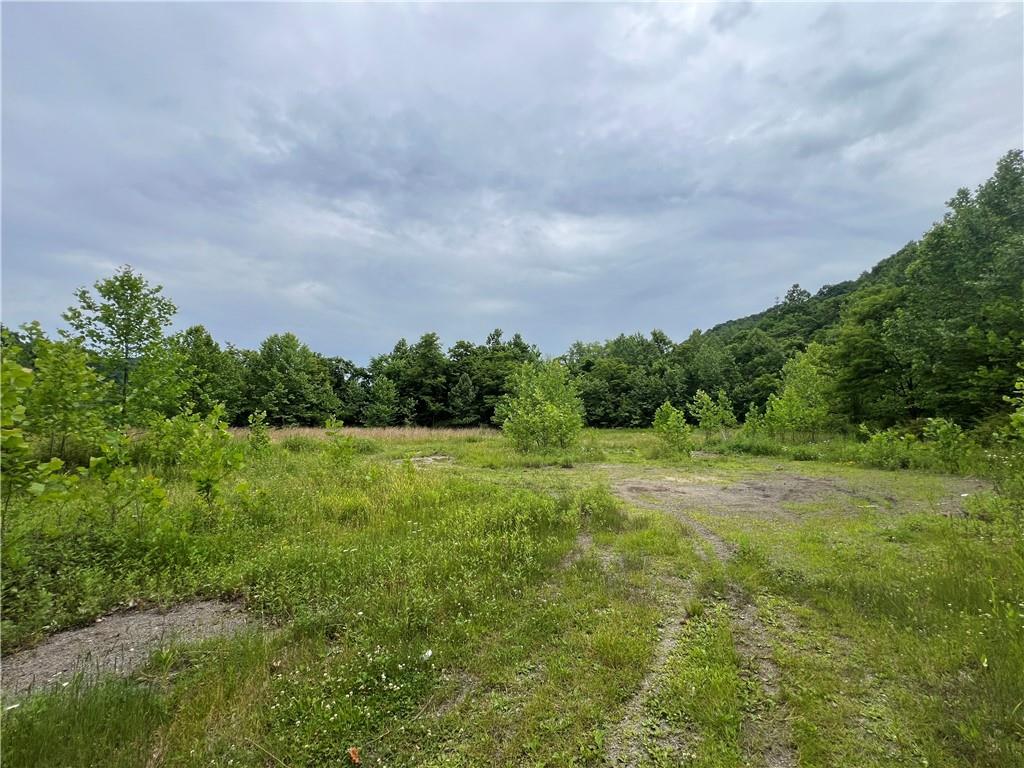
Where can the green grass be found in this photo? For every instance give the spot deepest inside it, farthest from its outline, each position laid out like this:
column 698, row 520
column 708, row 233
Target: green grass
column 428, row 615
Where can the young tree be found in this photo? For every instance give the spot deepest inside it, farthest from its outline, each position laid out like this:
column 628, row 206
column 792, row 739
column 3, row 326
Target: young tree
column 670, row 425
column 712, row 414
column 123, row 324
column 542, row 409
column 383, row 406
column 803, row 403
column 462, row 402
column 67, row 397
column 22, row 472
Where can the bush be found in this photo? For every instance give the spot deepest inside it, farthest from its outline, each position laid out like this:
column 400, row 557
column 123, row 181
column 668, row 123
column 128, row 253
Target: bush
column 542, row 410
column 888, row 449
column 670, row 425
column 947, row 441
column 301, row 444
column 259, row 432
column 211, row 454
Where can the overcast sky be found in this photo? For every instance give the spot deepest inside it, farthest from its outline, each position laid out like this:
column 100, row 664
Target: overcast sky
column 356, row 174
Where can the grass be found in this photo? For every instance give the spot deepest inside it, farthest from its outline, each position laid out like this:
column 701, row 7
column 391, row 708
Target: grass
column 431, row 614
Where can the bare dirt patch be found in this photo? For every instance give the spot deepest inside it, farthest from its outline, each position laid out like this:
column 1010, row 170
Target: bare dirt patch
column 116, row 644
column 763, row 496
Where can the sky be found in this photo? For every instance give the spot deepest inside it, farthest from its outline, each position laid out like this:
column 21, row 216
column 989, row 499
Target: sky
column 356, row 174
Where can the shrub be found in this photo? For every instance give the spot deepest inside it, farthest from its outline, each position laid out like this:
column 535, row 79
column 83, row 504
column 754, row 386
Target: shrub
column 888, row 449
column 22, row 473
column 802, row 404
column 211, row 454
column 947, row 441
column 300, row 444
column 542, row 410
column 341, row 447
column 670, row 425
column 600, row 509
column 259, row 432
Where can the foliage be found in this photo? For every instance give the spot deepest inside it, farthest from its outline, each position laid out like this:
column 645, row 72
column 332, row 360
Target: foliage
column 66, row 402
column 948, row 442
column 210, row 454
column 802, row 404
column 889, row 448
column 22, row 472
column 542, row 409
column 711, row 414
column 123, row 324
column 382, row 409
column 259, row 432
column 670, row 425
column 462, row 402
column 290, row 382
column 214, row 375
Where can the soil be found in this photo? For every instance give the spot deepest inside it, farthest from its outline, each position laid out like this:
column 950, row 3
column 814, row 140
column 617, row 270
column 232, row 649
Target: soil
column 762, row 496
column 767, row 736
column 115, row 644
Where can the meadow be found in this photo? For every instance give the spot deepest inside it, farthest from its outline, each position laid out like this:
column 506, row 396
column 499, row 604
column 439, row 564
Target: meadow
column 435, row 598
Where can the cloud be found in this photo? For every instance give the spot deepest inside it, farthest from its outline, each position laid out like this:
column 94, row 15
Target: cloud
column 360, row 173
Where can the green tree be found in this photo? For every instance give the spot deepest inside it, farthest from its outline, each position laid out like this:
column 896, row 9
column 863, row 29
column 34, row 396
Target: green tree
column 123, row 324
column 290, row 382
column 803, row 404
column 382, row 409
column 66, row 401
column 213, row 375
column 670, row 425
column 542, row 409
column 711, row 414
column 462, row 402
column 427, row 376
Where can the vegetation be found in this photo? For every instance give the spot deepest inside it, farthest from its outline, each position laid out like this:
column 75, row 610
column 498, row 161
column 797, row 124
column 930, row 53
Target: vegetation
column 545, row 594
column 542, row 410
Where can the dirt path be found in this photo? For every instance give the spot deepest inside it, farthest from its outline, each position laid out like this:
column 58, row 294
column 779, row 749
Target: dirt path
column 624, row 744
column 767, row 739
column 117, row 644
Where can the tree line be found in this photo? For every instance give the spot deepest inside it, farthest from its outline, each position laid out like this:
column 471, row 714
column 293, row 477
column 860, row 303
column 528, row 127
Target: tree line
column 935, row 330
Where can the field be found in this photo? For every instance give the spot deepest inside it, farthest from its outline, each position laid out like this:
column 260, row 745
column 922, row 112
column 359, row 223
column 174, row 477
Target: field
column 429, row 597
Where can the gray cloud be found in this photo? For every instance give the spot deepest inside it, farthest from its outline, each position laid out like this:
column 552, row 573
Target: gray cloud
column 358, row 173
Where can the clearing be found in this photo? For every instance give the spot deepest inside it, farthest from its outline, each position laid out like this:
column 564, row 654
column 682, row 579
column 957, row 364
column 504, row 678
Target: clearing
column 437, row 600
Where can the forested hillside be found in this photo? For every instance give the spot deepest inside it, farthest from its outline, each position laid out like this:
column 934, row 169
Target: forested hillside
column 936, row 329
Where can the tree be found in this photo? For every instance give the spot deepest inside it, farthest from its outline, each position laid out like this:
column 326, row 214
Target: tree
column 542, row 409
column 66, row 399
column 123, row 324
column 802, row 405
column 426, row 373
column 213, row 375
column 383, row 405
column 712, row 414
column 670, row 425
column 462, row 402
column 290, row 382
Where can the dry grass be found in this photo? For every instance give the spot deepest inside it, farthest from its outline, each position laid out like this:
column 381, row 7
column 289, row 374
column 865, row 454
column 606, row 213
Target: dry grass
column 392, row 434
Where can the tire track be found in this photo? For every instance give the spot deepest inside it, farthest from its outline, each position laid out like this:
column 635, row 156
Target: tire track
column 767, row 737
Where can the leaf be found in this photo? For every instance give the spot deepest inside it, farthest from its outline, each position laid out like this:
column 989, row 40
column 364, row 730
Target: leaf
column 353, row 755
